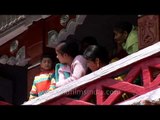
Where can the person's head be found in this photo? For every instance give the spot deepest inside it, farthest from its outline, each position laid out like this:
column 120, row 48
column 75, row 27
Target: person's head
column 96, row 56
column 121, row 31
column 86, row 41
column 46, row 62
column 67, row 50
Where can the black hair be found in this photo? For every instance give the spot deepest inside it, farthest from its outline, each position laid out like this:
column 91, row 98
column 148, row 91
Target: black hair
column 86, row 41
column 95, row 51
column 123, row 26
column 47, row 56
column 68, row 46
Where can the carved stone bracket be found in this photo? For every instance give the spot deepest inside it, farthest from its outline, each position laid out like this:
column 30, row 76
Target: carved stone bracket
column 63, row 33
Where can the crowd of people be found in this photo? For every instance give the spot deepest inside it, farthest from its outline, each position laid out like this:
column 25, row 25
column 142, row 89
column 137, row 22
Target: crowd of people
column 77, row 60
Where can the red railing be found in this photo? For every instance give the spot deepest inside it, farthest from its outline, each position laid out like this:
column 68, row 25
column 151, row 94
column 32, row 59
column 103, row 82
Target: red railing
column 4, row 103
column 100, row 87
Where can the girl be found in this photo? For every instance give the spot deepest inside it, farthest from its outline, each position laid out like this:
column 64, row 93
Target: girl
column 71, row 63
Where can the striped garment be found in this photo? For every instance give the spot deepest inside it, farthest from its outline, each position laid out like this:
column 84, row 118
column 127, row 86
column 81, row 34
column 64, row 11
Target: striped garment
column 42, row 83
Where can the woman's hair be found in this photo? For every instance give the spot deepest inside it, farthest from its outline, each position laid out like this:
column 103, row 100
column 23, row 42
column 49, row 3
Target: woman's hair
column 68, row 46
column 123, row 26
column 86, row 41
column 95, row 51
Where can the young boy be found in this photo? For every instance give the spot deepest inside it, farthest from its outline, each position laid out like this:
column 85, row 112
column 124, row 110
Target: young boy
column 44, row 81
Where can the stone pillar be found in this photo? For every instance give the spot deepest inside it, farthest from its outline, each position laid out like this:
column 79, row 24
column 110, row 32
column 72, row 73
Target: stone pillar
column 148, row 30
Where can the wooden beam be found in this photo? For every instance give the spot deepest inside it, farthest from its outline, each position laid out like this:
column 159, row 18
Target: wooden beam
column 153, row 95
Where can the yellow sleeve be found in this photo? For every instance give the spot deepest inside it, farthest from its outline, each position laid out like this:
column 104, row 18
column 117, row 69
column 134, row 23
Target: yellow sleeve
column 53, row 84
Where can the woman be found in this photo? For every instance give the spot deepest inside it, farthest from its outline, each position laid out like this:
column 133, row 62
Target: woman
column 96, row 56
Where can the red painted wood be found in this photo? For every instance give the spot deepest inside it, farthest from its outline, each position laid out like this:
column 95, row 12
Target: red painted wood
column 120, row 87
column 88, row 92
column 146, row 76
column 132, row 74
column 67, row 101
column 99, row 95
column 5, row 48
column 148, row 30
column 156, row 82
column 86, row 97
column 4, row 103
column 112, row 98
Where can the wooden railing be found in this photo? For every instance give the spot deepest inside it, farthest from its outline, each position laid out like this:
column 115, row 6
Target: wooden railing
column 100, row 87
column 152, row 96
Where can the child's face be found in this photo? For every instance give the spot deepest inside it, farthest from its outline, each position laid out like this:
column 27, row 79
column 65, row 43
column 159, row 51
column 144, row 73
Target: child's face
column 93, row 65
column 46, row 64
column 61, row 57
column 120, row 37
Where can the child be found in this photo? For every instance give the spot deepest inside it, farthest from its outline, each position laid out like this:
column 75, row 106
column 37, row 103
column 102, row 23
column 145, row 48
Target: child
column 96, row 56
column 44, row 81
column 63, row 70
column 73, row 64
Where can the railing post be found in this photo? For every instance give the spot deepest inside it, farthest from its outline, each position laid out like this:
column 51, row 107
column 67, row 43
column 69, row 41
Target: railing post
column 148, row 30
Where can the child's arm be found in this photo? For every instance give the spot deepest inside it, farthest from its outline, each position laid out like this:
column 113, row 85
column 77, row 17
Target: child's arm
column 53, row 81
column 79, row 68
column 33, row 92
column 53, row 85
column 32, row 97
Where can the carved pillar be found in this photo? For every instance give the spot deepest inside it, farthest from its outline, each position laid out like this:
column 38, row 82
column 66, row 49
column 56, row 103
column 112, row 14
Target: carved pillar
column 148, row 30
